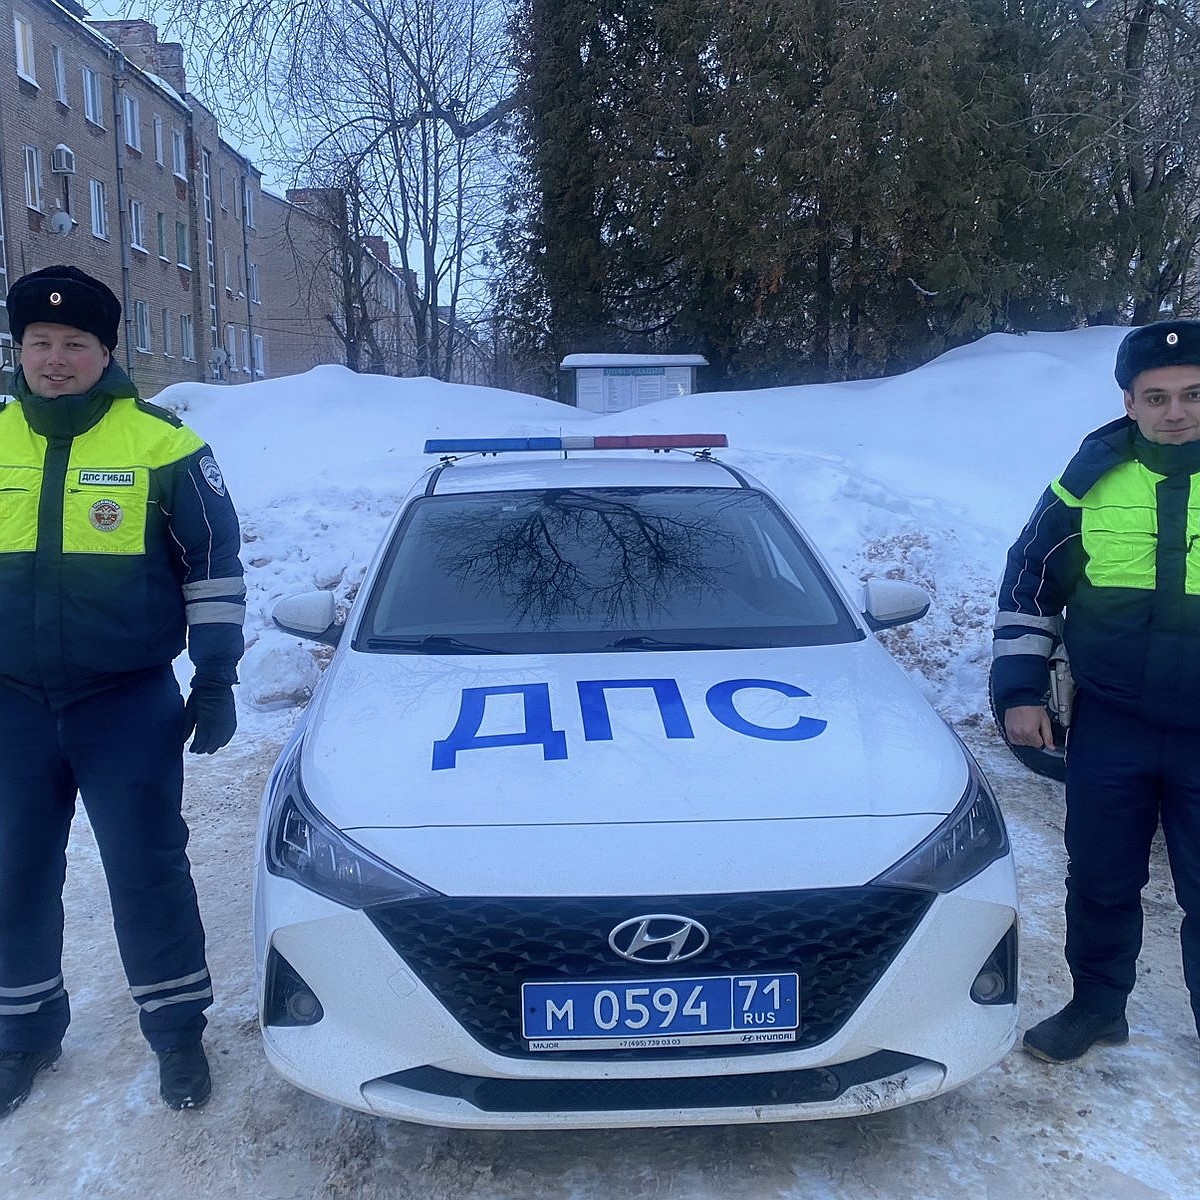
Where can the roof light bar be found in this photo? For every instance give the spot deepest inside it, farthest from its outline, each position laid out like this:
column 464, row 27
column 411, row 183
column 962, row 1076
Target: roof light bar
column 637, row 441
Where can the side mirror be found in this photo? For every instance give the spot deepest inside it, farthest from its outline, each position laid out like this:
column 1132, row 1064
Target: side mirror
column 891, row 602
column 310, row 615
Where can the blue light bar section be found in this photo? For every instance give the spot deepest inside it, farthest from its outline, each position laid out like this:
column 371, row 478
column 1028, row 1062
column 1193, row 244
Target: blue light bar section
column 633, row 441
column 491, row 445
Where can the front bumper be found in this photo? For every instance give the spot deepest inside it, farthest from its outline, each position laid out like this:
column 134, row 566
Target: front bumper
column 388, row 1045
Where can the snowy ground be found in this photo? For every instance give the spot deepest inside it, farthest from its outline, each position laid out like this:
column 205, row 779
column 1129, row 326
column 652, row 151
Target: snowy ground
column 925, row 477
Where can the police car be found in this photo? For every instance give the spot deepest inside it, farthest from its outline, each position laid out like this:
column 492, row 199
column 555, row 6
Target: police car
column 611, row 810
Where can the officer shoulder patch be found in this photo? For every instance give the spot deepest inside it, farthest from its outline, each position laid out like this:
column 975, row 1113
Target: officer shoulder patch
column 163, row 414
column 212, row 474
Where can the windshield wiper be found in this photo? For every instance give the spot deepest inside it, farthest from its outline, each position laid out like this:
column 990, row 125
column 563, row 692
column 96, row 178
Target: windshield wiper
column 649, row 643
column 431, row 644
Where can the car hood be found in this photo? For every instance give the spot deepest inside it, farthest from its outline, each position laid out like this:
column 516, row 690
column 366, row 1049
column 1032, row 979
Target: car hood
column 739, row 765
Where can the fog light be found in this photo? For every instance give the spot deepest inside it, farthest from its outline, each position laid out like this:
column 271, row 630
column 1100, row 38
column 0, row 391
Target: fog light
column 287, row 999
column 988, row 987
column 996, row 982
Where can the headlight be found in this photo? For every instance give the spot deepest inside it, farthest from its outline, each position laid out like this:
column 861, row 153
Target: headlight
column 302, row 846
column 971, row 838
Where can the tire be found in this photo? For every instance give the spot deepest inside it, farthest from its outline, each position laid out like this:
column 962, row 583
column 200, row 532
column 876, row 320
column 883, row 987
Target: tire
column 1051, row 764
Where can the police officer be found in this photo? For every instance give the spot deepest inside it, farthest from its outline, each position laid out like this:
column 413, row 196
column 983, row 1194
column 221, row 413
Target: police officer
column 1115, row 541
column 118, row 542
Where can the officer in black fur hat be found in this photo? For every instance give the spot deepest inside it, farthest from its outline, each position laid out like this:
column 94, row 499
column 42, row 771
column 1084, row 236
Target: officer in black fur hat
column 1111, row 556
column 118, row 547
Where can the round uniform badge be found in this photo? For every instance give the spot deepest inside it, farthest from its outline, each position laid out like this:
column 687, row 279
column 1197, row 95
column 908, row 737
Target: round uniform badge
column 1172, row 339
column 105, row 515
column 212, row 474
column 56, row 298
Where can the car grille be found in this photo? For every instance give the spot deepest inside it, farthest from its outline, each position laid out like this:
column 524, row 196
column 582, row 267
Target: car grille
column 812, row 1086
column 474, row 953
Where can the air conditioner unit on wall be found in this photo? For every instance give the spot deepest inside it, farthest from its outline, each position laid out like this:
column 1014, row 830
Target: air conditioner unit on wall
column 62, row 160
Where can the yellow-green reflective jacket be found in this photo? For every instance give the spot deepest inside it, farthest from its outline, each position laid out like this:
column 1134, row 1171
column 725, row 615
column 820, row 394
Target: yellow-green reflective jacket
column 1115, row 541
column 118, row 542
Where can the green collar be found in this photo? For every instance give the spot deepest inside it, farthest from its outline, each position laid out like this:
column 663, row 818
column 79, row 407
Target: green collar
column 1165, row 459
column 60, row 417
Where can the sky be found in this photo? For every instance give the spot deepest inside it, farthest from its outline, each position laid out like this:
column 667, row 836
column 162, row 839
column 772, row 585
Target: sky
column 927, row 476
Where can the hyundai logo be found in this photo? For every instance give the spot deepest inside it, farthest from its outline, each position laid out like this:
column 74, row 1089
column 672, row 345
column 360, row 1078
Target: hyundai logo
column 658, row 938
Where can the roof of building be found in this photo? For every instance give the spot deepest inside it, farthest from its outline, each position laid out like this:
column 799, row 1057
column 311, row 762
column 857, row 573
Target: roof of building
column 574, row 361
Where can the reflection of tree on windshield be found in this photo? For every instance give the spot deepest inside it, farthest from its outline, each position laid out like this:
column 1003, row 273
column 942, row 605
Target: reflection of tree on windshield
column 570, row 555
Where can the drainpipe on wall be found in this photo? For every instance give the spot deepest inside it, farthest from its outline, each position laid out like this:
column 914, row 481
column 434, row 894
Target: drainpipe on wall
column 4, row 230
column 246, row 265
column 118, row 91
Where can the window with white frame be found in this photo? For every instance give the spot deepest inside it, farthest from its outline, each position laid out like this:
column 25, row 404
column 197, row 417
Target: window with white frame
column 158, row 140
column 259, row 358
column 183, row 254
column 58, row 58
column 227, row 267
column 99, row 209
column 231, row 347
column 33, row 178
column 178, row 153
column 137, row 225
column 133, row 122
column 255, row 293
column 141, row 324
column 245, row 351
column 93, row 97
column 168, row 340
column 248, row 204
column 23, row 36
column 161, row 221
column 187, row 337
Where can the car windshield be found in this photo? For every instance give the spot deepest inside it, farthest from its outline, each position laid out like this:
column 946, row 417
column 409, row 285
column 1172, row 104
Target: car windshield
column 621, row 569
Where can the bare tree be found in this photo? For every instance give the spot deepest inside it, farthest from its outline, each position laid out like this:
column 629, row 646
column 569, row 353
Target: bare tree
column 396, row 102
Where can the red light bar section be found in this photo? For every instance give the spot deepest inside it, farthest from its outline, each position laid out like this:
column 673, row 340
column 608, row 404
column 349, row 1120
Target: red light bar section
column 662, row 441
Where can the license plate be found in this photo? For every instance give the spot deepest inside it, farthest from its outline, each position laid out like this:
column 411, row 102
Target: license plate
column 650, row 1013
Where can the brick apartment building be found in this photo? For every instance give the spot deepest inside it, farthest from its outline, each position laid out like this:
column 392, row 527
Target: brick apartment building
column 109, row 163
column 331, row 297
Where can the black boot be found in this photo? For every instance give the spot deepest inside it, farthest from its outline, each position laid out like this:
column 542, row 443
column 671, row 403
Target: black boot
column 184, row 1081
column 18, row 1068
column 1069, row 1034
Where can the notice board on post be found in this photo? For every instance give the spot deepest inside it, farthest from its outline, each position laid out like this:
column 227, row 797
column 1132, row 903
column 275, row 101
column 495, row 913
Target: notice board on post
column 608, row 383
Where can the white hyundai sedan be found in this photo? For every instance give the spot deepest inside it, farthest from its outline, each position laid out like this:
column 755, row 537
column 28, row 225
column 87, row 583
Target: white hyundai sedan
column 611, row 810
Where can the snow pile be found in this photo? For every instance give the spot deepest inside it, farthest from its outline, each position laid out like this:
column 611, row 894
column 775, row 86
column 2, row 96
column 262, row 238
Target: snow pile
column 926, row 476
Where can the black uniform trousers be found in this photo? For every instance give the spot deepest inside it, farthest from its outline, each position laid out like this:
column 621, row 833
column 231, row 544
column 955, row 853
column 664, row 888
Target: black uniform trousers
column 1124, row 775
column 121, row 750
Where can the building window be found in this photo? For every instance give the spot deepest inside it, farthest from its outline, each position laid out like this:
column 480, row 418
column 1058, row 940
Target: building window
column 227, row 265
column 259, row 359
column 23, row 35
column 182, row 250
column 33, row 178
column 161, row 221
column 245, row 351
column 158, row 140
column 223, row 188
column 93, row 97
column 58, row 56
column 137, row 225
column 99, row 210
column 187, row 337
column 141, row 324
column 248, row 204
column 178, row 153
column 255, row 294
column 133, row 122
column 231, row 347
column 168, row 347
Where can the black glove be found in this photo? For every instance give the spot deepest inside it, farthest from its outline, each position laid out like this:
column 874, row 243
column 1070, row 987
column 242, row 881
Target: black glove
column 211, row 713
